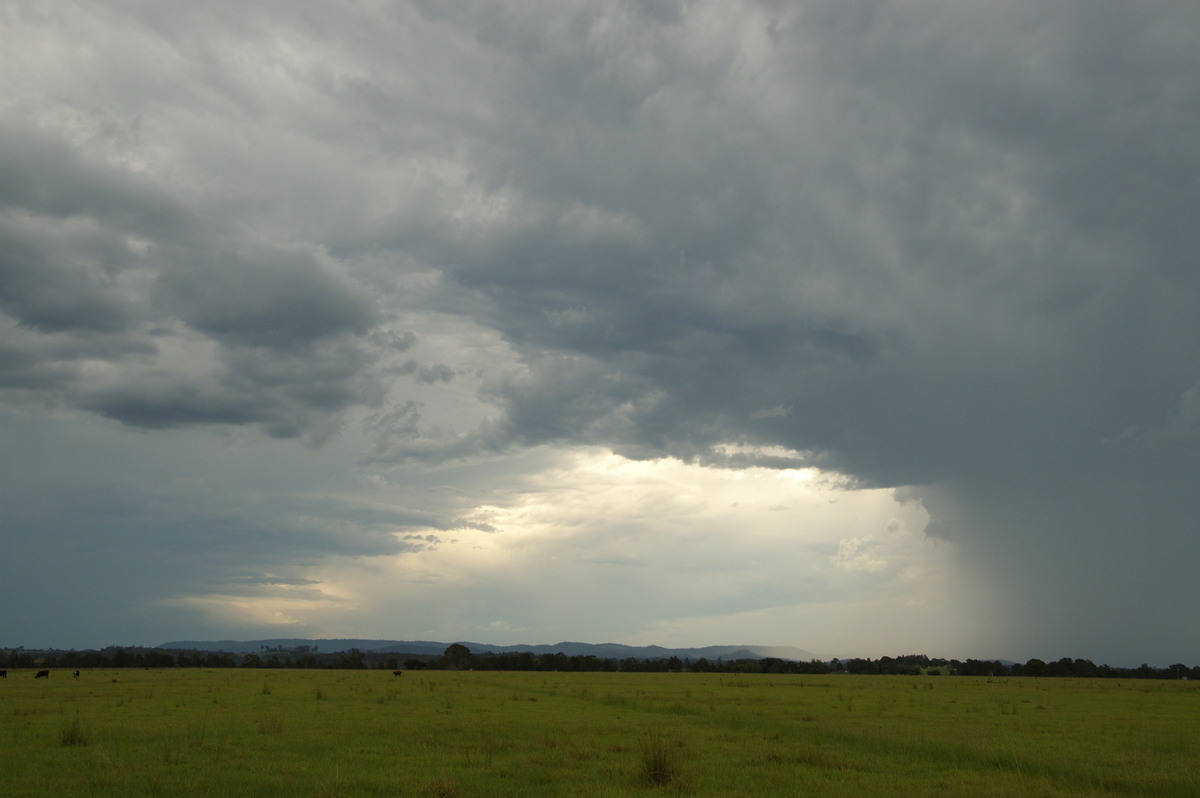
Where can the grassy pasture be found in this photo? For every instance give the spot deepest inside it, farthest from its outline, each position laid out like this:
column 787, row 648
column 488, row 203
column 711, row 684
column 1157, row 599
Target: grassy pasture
column 244, row 732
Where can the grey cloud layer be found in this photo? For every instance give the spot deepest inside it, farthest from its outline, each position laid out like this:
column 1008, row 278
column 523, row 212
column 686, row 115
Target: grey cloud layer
column 934, row 244
column 913, row 230
column 102, row 265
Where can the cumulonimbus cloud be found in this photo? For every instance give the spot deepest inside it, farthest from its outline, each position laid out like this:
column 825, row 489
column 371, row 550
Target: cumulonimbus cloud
column 941, row 248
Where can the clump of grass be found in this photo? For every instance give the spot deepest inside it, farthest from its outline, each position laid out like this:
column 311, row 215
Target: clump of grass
column 196, row 735
column 660, row 765
column 271, row 724
column 482, row 754
column 170, row 756
column 440, row 788
column 320, row 694
column 73, row 734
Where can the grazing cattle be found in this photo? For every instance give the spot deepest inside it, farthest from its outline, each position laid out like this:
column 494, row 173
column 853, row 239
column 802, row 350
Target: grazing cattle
column 42, row 675
column 75, row 674
column 397, row 673
column 3, row 674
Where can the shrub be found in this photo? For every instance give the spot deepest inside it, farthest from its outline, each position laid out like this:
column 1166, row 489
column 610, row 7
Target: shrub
column 659, row 763
column 73, row 734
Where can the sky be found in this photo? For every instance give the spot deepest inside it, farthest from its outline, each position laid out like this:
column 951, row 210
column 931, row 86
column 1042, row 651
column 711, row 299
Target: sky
column 867, row 328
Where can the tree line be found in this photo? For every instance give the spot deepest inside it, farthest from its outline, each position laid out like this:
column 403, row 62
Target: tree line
column 459, row 657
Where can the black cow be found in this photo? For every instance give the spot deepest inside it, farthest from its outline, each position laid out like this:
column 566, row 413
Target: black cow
column 42, row 675
column 397, row 673
column 75, row 674
column 3, row 674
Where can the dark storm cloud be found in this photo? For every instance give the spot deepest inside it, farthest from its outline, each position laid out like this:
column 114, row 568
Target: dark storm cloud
column 51, row 294
column 939, row 241
column 438, row 372
column 954, row 244
column 288, row 395
column 45, row 177
column 62, row 229
column 287, row 327
column 266, row 297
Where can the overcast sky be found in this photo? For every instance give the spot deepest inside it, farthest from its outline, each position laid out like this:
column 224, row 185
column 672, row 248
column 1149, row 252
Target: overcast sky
column 869, row 328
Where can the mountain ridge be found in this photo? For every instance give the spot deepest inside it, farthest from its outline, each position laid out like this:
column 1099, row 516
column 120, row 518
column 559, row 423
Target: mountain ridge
column 431, row 647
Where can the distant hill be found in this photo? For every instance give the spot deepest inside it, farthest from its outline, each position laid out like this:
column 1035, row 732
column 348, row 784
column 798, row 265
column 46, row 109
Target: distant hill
column 428, row 647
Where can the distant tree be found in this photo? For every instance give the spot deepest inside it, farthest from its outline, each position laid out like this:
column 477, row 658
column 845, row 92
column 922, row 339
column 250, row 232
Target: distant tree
column 1035, row 667
column 1085, row 668
column 352, row 659
column 457, row 656
column 1061, row 667
column 975, row 667
column 861, row 665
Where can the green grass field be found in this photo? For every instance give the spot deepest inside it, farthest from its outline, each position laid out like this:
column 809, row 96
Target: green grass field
column 244, row 732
